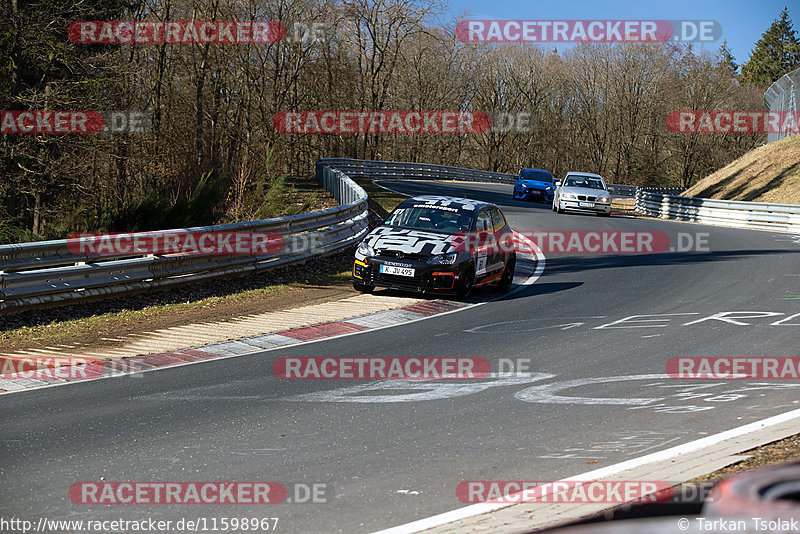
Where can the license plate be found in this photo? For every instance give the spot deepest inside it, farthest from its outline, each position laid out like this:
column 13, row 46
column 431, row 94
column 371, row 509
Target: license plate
column 586, row 204
column 399, row 271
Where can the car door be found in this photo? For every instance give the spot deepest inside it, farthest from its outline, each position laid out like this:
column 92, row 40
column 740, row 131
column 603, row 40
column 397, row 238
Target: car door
column 501, row 238
column 484, row 227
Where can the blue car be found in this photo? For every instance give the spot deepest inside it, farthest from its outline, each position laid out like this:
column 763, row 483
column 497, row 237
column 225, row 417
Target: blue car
column 536, row 184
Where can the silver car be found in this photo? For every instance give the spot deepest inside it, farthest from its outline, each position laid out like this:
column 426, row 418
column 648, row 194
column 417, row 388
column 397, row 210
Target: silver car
column 582, row 191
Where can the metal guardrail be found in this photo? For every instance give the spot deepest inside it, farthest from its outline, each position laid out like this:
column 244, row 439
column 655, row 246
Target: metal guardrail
column 783, row 95
column 662, row 190
column 49, row 272
column 413, row 171
column 739, row 214
column 377, row 170
column 622, row 191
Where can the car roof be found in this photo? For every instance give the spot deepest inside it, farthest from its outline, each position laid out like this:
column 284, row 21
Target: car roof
column 538, row 170
column 455, row 202
column 580, row 173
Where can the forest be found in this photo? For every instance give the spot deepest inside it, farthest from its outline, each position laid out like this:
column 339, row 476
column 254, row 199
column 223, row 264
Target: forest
column 205, row 149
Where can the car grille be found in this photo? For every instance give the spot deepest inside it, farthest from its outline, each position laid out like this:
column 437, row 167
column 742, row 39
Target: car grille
column 416, row 283
column 584, row 197
column 402, row 255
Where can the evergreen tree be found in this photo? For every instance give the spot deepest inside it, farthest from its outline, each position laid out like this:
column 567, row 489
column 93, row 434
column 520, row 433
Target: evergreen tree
column 40, row 69
column 775, row 54
column 725, row 59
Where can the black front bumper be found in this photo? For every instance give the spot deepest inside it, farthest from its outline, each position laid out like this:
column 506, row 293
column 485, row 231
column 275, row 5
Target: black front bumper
column 427, row 278
column 536, row 194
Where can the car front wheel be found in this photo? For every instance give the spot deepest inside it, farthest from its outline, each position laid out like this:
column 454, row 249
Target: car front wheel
column 467, row 281
column 508, row 275
column 363, row 288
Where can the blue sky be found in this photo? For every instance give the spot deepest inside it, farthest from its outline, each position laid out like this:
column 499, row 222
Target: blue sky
column 743, row 21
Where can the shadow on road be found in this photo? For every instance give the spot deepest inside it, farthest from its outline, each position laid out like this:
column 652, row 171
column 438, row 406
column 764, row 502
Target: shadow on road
column 487, row 294
column 557, row 264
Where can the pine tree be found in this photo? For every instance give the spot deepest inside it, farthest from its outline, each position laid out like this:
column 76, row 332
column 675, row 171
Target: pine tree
column 775, row 54
column 725, row 59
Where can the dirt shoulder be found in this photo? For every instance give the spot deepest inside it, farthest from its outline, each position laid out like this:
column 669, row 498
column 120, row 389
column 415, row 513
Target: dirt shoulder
column 769, row 173
column 777, row 452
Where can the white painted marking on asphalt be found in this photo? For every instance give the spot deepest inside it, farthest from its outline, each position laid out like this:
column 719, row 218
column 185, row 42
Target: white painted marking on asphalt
column 795, row 239
column 630, row 444
column 546, row 394
column 424, row 390
column 661, row 456
column 481, row 329
column 728, row 317
column 783, row 322
column 626, row 321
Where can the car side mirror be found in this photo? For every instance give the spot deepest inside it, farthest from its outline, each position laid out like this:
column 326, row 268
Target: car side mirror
column 557, row 184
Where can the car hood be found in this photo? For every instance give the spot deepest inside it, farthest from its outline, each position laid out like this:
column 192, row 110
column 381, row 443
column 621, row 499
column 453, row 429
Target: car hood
column 585, row 191
column 410, row 242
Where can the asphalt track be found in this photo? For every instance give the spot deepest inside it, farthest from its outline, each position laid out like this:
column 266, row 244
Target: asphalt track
column 392, row 453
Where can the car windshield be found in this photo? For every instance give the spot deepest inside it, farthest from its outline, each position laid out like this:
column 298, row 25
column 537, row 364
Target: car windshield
column 435, row 219
column 532, row 174
column 588, row 182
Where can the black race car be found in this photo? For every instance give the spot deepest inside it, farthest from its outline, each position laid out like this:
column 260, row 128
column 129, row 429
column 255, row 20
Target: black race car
column 438, row 244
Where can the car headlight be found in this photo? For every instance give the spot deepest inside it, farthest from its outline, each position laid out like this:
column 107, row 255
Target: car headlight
column 603, row 199
column 443, row 259
column 549, row 188
column 365, row 250
column 570, row 196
